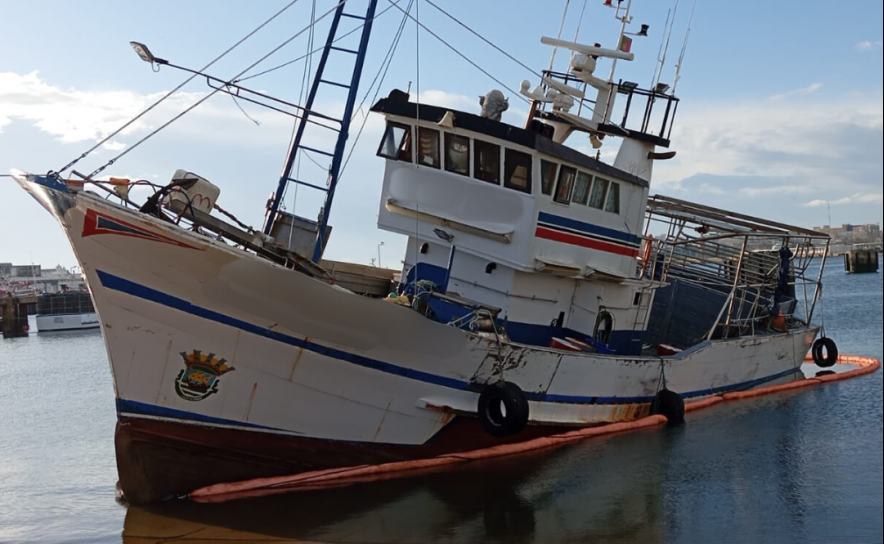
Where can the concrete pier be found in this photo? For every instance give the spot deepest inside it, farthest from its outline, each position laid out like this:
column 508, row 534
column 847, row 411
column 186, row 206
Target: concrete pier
column 861, row 261
column 14, row 312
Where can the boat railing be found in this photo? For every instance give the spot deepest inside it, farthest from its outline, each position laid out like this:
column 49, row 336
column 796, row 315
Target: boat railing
column 761, row 270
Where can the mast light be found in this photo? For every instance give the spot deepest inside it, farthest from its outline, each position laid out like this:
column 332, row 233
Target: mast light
column 145, row 54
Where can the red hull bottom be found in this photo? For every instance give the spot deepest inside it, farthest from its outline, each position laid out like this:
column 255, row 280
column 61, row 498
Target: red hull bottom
column 161, row 459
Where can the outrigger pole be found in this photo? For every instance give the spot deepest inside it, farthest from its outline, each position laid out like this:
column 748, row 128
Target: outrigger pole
column 343, row 124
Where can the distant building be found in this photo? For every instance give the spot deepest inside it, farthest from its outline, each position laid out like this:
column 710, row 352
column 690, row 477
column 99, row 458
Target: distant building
column 853, row 234
column 28, row 279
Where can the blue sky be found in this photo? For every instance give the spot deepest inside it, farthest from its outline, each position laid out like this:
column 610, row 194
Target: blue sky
column 781, row 112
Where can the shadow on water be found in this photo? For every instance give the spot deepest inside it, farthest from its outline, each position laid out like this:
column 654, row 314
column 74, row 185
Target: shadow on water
column 574, row 494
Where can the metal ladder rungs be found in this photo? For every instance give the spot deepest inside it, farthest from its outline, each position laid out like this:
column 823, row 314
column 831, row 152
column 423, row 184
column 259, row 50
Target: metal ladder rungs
column 351, row 16
column 317, row 151
column 342, row 50
column 341, row 85
column 311, row 185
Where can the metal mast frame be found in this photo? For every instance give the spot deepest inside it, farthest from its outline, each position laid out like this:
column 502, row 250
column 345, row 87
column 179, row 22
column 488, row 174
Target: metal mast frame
column 344, row 123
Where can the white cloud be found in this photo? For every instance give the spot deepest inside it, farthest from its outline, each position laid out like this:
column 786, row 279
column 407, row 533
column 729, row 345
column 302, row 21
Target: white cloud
column 860, row 198
column 74, row 116
column 806, row 91
column 115, row 146
column 869, row 45
column 71, row 115
column 776, row 191
column 820, row 143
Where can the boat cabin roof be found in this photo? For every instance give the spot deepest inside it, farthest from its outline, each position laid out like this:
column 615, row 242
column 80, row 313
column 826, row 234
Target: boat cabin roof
column 502, row 131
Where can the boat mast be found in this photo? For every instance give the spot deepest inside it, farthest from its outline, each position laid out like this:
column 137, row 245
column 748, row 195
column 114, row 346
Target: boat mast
column 337, row 154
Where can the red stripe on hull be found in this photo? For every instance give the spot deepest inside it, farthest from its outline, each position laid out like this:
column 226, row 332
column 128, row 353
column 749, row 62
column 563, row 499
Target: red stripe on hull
column 575, row 240
column 158, row 459
column 91, row 228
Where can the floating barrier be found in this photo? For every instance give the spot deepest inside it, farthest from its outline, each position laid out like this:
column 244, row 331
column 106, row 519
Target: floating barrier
column 325, row 479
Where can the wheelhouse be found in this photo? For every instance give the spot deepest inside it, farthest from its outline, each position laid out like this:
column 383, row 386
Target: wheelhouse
column 553, row 235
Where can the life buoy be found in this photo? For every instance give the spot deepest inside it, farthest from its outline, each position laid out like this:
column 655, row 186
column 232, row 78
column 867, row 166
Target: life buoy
column 825, row 353
column 669, row 404
column 503, row 409
column 25, row 328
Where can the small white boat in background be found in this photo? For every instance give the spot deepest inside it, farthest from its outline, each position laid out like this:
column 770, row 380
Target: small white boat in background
column 70, row 311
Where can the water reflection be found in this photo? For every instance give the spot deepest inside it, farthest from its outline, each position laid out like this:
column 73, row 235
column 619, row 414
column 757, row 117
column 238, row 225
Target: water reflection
column 575, row 494
column 764, row 470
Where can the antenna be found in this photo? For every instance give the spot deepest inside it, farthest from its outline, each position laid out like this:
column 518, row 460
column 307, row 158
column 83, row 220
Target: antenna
column 659, row 66
column 684, row 50
column 666, row 48
column 625, row 19
column 552, row 60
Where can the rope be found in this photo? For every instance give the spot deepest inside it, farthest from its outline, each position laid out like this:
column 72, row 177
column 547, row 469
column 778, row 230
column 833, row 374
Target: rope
column 213, row 93
column 299, row 59
column 302, row 95
column 382, row 75
column 486, row 40
column 580, row 21
column 463, row 56
column 179, row 87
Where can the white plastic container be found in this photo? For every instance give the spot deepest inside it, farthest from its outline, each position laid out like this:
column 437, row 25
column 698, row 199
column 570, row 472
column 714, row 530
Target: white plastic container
column 202, row 195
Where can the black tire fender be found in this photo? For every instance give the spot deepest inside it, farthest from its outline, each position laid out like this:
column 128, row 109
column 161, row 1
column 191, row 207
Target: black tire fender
column 669, row 404
column 825, row 353
column 503, row 409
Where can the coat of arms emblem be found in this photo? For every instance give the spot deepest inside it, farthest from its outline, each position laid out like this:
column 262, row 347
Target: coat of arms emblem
column 200, row 379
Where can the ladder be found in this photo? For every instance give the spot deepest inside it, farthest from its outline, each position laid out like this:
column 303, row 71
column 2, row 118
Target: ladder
column 341, row 125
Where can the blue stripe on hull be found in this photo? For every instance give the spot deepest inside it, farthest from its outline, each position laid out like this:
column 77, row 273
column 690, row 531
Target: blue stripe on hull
column 132, row 408
column 125, row 286
column 590, row 229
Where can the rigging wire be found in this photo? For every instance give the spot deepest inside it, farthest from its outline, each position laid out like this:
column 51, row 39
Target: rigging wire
column 463, row 56
column 417, row 58
column 214, row 92
column 684, row 50
column 484, row 39
column 244, row 112
column 552, row 60
column 302, row 94
column 382, row 75
column 580, row 21
column 179, row 87
column 576, row 38
column 313, row 52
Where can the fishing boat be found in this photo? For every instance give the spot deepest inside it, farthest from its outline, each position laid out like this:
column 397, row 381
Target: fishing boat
column 542, row 288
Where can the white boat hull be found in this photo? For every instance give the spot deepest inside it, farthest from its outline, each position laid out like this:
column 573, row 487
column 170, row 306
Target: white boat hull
column 324, row 370
column 71, row 322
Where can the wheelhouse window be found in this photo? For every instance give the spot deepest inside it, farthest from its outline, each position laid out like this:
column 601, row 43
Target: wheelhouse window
column 598, row 193
column 548, row 176
column 612, row 203
column 518, row 171
column 457, row 154
column 567, row 176
column 396, row 144
column 428, row 151
column 487, row 162
column 581, row 188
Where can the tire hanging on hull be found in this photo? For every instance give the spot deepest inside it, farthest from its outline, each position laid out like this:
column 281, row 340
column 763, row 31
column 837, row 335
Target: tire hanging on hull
column 503, row 409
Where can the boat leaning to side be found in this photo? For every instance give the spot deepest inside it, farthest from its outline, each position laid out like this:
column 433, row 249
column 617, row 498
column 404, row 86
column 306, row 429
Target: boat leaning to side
column 542, row 289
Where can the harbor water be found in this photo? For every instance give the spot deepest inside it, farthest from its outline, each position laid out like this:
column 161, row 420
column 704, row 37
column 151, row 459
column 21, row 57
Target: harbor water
column 801, row 467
